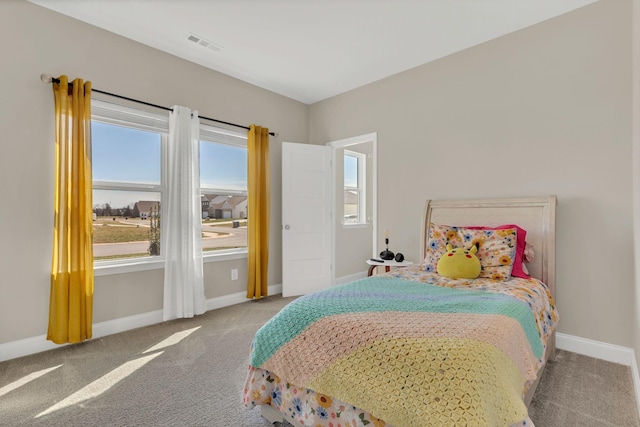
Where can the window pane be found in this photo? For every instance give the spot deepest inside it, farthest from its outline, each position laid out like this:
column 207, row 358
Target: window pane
column 223, row 166
column 223, row 179
column 224, row 224
column 126, row 224
column 125, row 155
column 351, row 206
column 350, row 171
column 351, row 190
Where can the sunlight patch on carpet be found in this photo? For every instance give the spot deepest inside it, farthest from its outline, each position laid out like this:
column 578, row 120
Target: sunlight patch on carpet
column 24, row 380
column 172, row 340
column 102, row 384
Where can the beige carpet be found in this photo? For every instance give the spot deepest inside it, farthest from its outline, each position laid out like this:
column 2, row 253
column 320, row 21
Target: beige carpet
column 196, row 379
column 577, row 390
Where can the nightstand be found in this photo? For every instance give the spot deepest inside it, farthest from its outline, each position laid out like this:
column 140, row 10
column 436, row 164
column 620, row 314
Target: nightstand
column 387, row 265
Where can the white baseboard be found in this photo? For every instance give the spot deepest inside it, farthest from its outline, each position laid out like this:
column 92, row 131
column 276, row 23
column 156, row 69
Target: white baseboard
column 237, row 298
column 37, row 344
column 600, row 350
column 636, row 383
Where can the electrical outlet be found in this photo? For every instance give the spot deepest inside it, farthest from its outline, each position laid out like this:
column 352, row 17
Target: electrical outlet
column 234, row 274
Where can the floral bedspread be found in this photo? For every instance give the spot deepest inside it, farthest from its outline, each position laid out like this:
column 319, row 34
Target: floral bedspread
column 303, row 405
column 308, row 408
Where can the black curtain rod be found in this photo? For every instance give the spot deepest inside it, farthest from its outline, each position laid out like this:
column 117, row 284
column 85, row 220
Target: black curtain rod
column 48, row 79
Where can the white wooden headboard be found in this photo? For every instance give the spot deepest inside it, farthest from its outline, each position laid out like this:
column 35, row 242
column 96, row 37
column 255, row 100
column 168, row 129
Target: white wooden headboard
column 537, row 215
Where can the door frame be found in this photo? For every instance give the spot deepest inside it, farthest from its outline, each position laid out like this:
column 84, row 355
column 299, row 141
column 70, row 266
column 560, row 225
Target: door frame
column 344, row 143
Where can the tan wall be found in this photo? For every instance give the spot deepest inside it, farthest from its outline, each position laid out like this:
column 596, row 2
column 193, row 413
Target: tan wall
column 545, row 110
column 636, row 177
column 35, row 41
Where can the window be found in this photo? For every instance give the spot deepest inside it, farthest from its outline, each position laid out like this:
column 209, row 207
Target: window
column 354, row 188
column 223, row 183
column 128, row 183
column 128, row 163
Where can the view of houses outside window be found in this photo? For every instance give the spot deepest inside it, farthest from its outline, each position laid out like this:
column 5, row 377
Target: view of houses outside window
column 127, row 165
column 127, row 189
column 353, row 187
column 223, row 183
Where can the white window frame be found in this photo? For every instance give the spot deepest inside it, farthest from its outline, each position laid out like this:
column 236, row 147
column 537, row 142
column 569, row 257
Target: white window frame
column 361, row 188
column 119, row 114
column 217, row 135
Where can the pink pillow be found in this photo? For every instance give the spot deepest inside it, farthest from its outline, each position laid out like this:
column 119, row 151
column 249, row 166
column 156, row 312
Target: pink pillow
column 521, row 234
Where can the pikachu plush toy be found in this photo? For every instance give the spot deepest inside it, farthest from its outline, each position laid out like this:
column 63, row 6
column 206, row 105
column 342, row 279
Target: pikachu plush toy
column 459, row 263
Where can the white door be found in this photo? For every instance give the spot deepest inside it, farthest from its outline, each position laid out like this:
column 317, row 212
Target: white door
column 306, row 218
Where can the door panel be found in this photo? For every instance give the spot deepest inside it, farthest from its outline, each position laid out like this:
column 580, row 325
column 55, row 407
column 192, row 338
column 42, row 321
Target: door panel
column 306, row 218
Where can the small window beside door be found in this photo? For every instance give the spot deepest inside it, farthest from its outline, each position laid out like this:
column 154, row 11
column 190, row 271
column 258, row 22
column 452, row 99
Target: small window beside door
column 354, row 188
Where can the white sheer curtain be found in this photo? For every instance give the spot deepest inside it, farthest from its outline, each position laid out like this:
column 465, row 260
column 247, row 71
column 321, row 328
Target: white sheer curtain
column 182, row 239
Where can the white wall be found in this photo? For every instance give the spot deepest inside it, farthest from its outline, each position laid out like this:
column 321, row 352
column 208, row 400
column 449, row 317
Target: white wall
column 36, row 40
column 545, row 110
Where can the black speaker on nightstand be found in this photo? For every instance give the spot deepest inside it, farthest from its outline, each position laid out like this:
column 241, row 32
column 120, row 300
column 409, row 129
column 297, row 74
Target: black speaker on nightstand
column 387, row 255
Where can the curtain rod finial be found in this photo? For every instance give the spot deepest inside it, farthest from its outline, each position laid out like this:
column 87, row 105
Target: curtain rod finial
column 46, row 78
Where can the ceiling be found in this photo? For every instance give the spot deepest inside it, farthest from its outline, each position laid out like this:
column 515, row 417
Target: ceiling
column 310, row 50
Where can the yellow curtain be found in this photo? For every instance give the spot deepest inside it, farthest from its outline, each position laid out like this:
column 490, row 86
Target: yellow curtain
column 71, row 298
column 258, row 211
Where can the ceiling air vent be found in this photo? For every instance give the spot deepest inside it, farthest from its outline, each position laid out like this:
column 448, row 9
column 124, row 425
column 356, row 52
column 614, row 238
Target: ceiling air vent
column 203, row 42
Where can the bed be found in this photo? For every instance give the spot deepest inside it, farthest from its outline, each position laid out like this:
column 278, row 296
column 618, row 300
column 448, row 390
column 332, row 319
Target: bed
column 413, row 348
